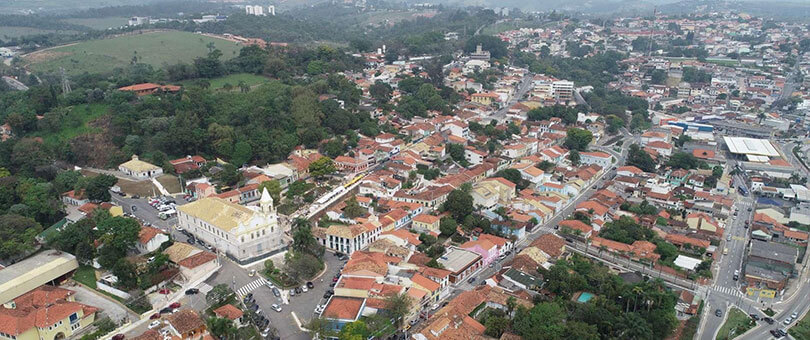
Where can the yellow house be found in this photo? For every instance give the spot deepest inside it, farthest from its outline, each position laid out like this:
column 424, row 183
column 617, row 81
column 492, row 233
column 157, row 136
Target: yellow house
column 484, row 98
column 431, row 287
column 46, row 312
column 426, row 222
column 702, row 222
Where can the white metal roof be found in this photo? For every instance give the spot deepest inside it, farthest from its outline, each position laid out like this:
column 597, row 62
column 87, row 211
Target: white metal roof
column 687, row 262
column 751, row 146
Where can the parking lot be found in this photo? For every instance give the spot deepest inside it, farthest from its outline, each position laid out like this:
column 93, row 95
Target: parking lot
column 140, row 208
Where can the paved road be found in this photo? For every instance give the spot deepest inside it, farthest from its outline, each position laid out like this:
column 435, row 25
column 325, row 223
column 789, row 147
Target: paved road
column 302, row 304
column 726, row 292
column 787, row 150
column 524, row 86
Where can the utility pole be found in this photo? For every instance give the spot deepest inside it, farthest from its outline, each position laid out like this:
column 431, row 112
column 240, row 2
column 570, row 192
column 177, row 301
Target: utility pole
column 65, row 81
column 652, row 31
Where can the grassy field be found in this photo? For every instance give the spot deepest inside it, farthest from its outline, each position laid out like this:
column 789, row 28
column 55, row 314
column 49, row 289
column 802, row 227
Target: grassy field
column 86, row 275
column 80, row 113
column 7, row 32
column 99, row 23
column 736, row 324
column 801, row 330
column 154, row 48
column 233, row 79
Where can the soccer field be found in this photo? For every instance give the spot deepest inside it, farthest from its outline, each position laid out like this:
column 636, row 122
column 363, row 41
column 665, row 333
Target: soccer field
column 104, row 55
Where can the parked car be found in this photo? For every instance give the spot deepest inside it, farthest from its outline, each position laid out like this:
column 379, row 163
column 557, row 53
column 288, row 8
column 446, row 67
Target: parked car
column 310, row 285
column 165, row 310
column 788, row 321
column 718, row 313
column 276, row 292
column 292, row 292
column 276, row 308
column 154, row 324
column 155, row 316
column 471, row 280
column 794, row 315
column 136, row 196
column 175, row 305
column 192, row 291
column 118, row 337
column 754, row 316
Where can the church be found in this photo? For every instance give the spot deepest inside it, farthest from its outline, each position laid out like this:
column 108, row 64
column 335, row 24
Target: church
column 243, row 233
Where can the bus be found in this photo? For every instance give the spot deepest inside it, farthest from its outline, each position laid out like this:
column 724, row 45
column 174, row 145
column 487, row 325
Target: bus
column 354, row 180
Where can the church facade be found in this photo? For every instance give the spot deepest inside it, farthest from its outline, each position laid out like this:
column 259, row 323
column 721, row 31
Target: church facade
column 243, row 233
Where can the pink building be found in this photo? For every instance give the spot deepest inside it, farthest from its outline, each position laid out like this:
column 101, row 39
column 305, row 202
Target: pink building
column 485, row 248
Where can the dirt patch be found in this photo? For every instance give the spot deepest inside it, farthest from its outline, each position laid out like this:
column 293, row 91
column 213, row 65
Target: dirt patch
column 170, row 183
column 44, row 55
column 96, row 149
column 142, row 188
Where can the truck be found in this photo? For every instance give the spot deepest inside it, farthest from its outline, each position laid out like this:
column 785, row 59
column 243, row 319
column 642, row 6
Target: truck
column 165, row 215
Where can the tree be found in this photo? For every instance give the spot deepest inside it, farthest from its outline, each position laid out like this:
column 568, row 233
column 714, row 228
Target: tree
column 322, row 167
column 447, row 226
column 496, row 325
column 118, row 235
column 456, row 152
column 546, row 166
column 273, row 188
column 636, row 156
column 578, row 139
column 17, row 235
column 544, row 321
column 459, row 204
column 126, row 272
column 355, row 330
column 398, row 306
column 512, row 175
column 242, row 153
column 303, row 241
column 683, row 160
column 353, row 209
column 98, row 188
column 496, row 47
column 320, row 328
column 222, row 328
column 218, row 294
column 381, row 92
column 574, row 157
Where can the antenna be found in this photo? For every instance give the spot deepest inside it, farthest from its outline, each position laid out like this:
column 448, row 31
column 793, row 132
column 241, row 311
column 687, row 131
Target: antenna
column 65, row 81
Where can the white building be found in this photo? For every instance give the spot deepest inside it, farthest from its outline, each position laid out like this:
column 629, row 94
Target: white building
column 140, row 169
column 243, row 233
column 599, row 158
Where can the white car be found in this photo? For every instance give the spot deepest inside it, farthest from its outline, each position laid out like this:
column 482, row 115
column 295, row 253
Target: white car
column 304, row 288
column 178, row 228
column 276, row 308
column 154, row 324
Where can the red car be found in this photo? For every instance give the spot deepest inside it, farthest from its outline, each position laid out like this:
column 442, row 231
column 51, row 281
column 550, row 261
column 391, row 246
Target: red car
column 155, row 316
column 118, row 337
column 335, row 279
column 174, row 305
column 165, row 291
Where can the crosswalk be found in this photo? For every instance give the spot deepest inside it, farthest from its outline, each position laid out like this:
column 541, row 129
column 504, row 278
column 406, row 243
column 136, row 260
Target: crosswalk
column 251, row 286
column 727, row 290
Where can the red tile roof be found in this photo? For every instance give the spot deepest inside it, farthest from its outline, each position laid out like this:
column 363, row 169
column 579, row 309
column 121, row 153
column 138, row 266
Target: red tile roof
column 229, row 312
column 344, row 308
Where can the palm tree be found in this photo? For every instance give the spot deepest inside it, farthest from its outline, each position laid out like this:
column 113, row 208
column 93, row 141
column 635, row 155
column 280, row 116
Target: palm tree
column 398, row 306
column 637, row 291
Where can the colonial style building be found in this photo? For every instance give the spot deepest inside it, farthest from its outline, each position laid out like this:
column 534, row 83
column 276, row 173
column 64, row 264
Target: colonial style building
column 243, row 233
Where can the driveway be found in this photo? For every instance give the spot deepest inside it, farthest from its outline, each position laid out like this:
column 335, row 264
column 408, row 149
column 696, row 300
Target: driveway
column 108, row 308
